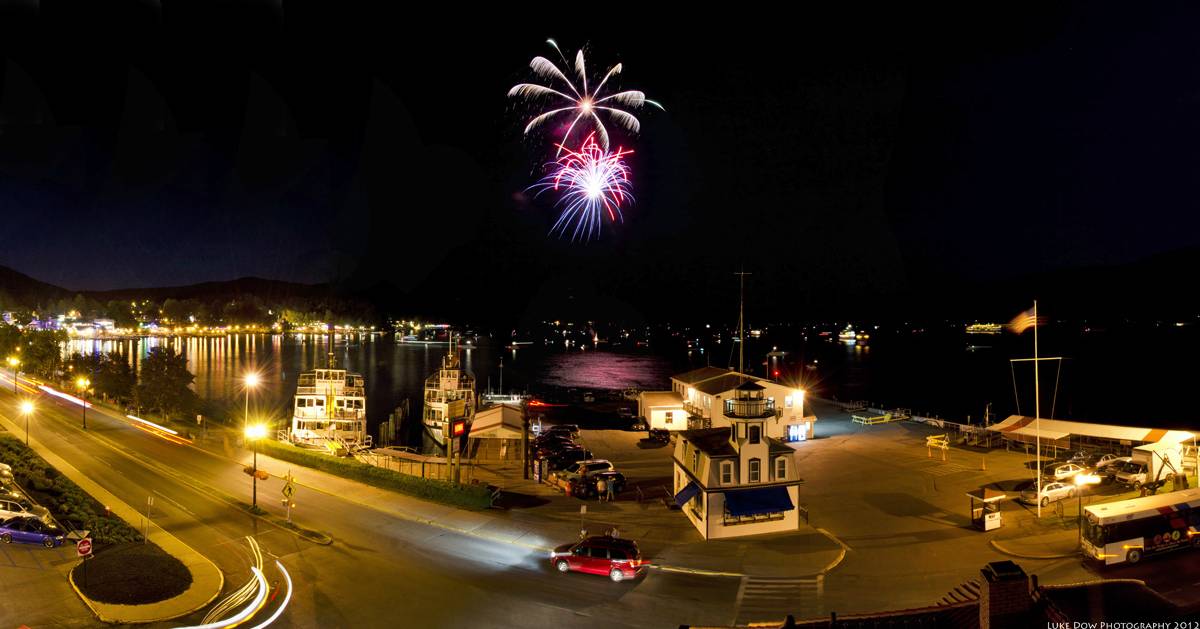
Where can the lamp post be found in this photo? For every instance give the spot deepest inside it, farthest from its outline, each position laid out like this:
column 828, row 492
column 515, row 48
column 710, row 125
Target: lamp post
column 251, row 381
column 82, row 384
column 253, row 434
column 1081, row 483
column 13, row 363
column 27, row 410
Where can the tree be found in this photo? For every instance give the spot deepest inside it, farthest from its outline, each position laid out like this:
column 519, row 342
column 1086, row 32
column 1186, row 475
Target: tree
column 114, row 379
column 41, row 353
column 83, row 366
column 165, row 383
column 10, row 339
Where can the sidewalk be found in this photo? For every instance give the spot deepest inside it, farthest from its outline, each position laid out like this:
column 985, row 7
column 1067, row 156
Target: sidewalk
column 207, row 579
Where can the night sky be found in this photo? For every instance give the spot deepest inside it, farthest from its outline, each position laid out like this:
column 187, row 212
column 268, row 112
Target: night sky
column 839, row 157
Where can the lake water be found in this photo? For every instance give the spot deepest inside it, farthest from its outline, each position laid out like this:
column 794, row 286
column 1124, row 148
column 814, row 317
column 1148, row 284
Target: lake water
column 1132, row 376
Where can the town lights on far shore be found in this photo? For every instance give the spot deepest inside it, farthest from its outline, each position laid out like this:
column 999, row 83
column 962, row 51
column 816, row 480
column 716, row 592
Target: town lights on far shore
column 256, row 431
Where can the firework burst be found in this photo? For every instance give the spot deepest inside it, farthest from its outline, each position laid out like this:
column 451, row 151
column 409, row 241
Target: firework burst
column 582, row 103
column 593, row 182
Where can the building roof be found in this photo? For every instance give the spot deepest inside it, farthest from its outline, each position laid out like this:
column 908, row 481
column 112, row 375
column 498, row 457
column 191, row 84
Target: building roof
column 498, row 422
column 652, row 399
column 1057, row 429
column 775, row 446
column 724, row 383
column 750, row 385
column 700, row 375
column 712, row 441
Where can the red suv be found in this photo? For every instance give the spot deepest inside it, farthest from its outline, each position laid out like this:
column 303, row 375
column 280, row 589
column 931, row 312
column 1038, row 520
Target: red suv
column 619, row 558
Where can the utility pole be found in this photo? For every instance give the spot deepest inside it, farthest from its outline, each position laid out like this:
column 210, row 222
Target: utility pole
column 742, row 320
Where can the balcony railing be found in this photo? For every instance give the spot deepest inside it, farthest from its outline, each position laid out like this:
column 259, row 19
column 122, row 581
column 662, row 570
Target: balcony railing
column 749, row 408
column 694, row 409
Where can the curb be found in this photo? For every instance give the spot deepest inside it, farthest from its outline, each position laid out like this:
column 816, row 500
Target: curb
column 841, row 555
column 995, row 544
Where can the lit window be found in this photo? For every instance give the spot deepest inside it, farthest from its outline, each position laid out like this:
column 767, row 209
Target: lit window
column 787, row 402
column 755, row 470
column 668, row 417
column 726, row 473
column 780, row 468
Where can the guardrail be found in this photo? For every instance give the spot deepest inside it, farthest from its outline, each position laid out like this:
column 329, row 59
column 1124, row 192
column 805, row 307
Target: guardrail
column 870, row 419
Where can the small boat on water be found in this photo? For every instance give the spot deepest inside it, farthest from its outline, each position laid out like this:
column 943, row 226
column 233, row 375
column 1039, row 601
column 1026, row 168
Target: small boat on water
column 848, row 334
column 449, row 395
column 330, row 411
column 984, row 328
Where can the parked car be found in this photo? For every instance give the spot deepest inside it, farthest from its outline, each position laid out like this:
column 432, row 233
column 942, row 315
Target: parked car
column 1051, row 492
column 659, row 435
column 564, row 459
column 570, row 429
column 550, row 438
column 20, row 507
column 1110, row 469
column 585, row 468
column 618, row 558
column 613, row 477
column 1098, row 461
column 1133, row 474
column 1061, row 471
column 10, row 491
column 30, row 531
column 555, row 448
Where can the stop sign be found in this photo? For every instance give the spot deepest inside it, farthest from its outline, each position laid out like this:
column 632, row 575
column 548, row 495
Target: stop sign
column 83, row 547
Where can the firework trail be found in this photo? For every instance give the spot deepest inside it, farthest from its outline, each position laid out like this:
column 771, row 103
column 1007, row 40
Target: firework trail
column 593, row 183
column 585, row 104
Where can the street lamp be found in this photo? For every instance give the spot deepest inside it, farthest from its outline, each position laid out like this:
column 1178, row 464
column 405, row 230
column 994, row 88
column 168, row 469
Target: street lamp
column 254, row 432
column 13, row 363
column 82, row 384
column 251, row 381
column 26, row 410
column 1081, row 483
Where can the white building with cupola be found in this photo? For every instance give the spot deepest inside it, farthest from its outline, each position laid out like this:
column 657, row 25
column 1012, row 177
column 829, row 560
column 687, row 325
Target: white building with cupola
column 737, row 479
column 704, row 398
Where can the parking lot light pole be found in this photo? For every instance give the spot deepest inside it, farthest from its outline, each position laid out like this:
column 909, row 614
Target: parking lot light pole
column 1081, row 483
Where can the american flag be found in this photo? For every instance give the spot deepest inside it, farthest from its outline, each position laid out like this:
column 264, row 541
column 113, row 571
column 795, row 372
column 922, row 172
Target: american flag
column 1024, row 321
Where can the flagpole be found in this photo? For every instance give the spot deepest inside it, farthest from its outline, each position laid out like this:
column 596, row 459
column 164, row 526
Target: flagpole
column 1037, row 410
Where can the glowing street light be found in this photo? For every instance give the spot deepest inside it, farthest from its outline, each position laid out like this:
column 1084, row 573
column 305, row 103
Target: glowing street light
column 254, row 432
column 251, row 381
column 26, row 410
column 82, row 384
column 1081, row 483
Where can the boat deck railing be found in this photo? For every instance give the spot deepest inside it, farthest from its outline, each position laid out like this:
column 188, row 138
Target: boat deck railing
column 347, row 391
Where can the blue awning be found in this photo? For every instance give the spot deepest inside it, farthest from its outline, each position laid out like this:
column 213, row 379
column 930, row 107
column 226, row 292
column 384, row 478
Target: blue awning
column 758, row 501
column 688, row 492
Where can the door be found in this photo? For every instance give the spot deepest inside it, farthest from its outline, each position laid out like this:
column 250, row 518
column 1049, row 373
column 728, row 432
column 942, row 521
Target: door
column 597, row 560
column 579, row 558
column 23, row 531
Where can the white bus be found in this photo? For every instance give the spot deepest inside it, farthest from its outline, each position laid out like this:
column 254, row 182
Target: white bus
column 1128, row 530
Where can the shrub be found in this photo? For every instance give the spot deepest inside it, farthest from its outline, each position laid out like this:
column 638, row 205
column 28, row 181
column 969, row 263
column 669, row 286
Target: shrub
column 69, row 504
column 466, row 496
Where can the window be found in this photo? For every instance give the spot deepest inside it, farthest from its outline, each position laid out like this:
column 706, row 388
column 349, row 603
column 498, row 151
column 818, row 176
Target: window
column 780, row 468
column 695, row 460
column 599, row 553
column 755, row 470
column 726, row 473
column 617, row 554
column 741, row 431
column 755, row 433
column 669, row 417
column 787, row 402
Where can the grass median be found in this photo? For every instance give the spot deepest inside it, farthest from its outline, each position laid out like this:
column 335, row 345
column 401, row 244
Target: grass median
column 467, row 496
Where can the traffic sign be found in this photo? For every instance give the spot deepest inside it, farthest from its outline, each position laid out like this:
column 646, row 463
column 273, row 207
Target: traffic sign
column 288, row 490
column 83, row 547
